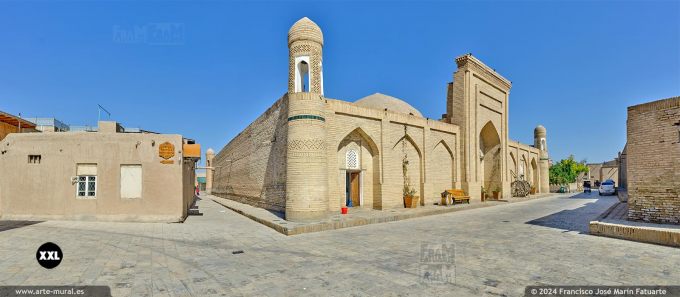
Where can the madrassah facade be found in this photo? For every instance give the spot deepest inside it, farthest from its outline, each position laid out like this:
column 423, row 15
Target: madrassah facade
column 309, row 155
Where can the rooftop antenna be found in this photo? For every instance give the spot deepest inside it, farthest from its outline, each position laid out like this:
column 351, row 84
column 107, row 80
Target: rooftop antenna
column 99, row 112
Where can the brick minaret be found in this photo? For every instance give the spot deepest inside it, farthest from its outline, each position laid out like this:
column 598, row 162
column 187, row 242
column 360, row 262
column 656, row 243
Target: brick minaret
column 543, row 167
column 307, row 170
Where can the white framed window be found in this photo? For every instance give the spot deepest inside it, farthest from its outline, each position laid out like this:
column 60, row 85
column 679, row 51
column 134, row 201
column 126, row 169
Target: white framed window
column 130, row 181
column 543, row 146
column 86, row 181
column 87, row 186
column 302, row 74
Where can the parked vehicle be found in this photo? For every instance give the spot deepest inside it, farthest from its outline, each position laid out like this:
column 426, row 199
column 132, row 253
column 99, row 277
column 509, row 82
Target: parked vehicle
column 607, row 188
column 586, row 186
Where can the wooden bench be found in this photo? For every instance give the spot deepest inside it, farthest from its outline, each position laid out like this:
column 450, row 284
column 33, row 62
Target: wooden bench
column 458, row 196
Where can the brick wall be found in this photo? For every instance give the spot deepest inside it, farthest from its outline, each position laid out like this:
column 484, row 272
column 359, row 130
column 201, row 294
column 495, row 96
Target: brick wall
column 345, row 131
column 252, row 167
column 623, row 169
column 431, row 147
column 653, row 161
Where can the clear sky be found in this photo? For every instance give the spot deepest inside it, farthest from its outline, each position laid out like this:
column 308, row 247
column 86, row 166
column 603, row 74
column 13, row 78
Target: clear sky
column 575, row 65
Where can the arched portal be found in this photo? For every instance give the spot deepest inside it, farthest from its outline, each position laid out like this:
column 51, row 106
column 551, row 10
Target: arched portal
column 440, row 172
column 359, row 176
column 490, row 165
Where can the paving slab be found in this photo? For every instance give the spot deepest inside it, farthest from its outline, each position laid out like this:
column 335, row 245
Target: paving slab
column 356, row 216
column 498, row 251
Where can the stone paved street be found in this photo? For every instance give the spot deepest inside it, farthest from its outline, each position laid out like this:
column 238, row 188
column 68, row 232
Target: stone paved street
column 498, row 251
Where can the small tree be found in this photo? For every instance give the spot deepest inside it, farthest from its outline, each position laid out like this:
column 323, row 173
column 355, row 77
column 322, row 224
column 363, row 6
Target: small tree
column 567, row 170
column 408, row 190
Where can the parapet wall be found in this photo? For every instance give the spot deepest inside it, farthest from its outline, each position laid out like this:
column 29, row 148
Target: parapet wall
column 252, row 167
column 47, row 188
column 653, row 161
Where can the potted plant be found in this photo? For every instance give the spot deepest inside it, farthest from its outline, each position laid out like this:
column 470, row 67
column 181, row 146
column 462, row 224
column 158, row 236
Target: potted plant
column 410, row 199
column 533, row 190
column 497, row 193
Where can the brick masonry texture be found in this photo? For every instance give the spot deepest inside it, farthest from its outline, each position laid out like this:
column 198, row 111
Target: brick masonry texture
column 653, row 161
column 252, row 167
column 304, row 172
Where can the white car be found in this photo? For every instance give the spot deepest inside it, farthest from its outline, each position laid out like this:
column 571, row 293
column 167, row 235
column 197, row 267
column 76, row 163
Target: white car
column 607, row 188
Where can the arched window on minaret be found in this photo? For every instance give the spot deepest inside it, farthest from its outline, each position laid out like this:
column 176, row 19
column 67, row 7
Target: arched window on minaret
column 302, row 79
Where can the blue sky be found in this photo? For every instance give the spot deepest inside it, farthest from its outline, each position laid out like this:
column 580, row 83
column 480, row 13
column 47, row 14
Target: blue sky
column 575, row 65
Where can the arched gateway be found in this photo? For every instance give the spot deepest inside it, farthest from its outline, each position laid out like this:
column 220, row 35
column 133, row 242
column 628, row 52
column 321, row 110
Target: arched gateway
column 490, row 158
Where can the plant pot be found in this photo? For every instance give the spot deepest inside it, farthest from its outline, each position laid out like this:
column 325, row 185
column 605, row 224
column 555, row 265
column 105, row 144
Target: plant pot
column 496, row 195
column 343, row 210
column 411, row 201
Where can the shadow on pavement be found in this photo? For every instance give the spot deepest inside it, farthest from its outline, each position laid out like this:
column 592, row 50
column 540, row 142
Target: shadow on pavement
column 576, row 219
column 9, row 225
column 279, row 214
column 592, row 195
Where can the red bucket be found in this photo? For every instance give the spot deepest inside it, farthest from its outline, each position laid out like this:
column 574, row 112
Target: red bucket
column 344, row 210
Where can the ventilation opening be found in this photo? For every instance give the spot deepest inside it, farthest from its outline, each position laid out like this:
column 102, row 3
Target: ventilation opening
column 34, row 159
column 303, row 75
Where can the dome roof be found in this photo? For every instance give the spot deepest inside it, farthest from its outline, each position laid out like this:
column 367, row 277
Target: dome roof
column 305, row 29
column 210, row 152
column 539, row 128
column 539, row 131
column 382, row 102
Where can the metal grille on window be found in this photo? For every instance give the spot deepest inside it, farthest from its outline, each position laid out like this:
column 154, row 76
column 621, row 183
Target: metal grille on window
column 81, row 186
column 86, row 186
column 91, row 185
column 352, row 159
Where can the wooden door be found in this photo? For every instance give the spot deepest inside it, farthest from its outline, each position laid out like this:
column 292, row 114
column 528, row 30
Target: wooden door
column 354, row 188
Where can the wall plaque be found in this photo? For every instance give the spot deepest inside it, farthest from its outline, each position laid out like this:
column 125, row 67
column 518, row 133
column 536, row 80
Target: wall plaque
column 166, row 151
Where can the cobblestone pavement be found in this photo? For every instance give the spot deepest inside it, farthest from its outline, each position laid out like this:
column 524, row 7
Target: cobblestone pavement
column 498, row 251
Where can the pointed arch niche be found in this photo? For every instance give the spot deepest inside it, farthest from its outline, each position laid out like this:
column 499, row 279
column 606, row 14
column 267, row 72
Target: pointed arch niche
column 489, row 163
column 440, row 172
column 406, row 146
column 358, row 181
